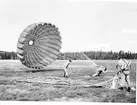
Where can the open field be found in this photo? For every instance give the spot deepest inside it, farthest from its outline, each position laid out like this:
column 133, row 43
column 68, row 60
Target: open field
column 20, row 83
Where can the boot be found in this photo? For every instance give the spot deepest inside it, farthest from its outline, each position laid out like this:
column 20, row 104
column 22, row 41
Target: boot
column 128, row 89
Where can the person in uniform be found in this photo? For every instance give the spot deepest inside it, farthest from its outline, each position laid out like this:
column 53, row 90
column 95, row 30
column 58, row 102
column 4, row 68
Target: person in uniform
column 65, row 67
column 99, row 70
column 123, row 66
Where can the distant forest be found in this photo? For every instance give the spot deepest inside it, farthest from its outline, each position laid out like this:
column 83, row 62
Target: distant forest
column 4, row 55
column 98, row 55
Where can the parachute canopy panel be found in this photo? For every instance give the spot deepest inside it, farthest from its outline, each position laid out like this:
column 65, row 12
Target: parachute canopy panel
column 39, row 45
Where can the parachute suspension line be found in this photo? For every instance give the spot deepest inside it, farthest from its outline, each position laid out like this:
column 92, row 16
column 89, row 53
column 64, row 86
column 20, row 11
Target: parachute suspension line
column 85, row 56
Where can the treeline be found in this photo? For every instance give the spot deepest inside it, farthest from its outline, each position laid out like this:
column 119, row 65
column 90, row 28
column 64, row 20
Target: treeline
column 8, row 55
column 98, row 55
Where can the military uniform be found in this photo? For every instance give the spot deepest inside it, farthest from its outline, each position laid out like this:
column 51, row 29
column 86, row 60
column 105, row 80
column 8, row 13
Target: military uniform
column 65, row 66
column 123, row 66
column 99, row 70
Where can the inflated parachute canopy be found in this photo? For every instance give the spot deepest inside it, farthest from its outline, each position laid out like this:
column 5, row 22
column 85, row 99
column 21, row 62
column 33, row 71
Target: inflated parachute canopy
column 39, row 45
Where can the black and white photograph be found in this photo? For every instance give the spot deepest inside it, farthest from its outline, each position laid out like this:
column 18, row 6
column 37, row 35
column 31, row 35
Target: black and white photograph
column 68, row 51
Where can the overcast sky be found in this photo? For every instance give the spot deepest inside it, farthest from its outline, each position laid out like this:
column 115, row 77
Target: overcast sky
column 84, row 24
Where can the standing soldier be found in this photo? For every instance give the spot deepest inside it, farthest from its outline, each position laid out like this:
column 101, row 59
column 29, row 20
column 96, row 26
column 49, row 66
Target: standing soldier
column 65, row 66
column 123, row 66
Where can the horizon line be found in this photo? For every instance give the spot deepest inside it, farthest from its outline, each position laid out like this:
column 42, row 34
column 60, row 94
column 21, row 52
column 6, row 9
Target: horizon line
column 82, row 51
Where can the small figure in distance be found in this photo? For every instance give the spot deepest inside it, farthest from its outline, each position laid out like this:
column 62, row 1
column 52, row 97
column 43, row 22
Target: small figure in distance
column 99, row 70
column 65, row 68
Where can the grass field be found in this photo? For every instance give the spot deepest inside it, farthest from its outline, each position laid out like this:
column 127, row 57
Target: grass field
column 22, row 84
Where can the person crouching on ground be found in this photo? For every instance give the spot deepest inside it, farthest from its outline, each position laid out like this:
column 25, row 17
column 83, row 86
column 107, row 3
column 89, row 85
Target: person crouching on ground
column 99, row 70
